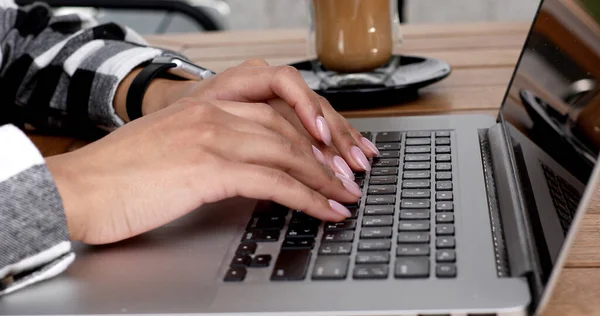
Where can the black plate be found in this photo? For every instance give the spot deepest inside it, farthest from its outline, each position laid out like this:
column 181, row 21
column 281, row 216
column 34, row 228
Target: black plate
column 413, row 74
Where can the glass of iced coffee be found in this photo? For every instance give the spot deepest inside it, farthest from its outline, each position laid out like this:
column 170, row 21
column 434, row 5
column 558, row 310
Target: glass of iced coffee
column 353, row 41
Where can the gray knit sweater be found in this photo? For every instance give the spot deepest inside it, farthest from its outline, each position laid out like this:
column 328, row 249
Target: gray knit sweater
column 56, row 74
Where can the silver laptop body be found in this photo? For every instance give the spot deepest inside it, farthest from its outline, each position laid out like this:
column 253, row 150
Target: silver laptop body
column 520, row 185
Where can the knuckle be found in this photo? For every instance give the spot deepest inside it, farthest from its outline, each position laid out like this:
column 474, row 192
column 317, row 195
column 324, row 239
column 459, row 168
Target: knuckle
column 287, row 71
column 208, row 131
column 279, row 179
column 257, row 62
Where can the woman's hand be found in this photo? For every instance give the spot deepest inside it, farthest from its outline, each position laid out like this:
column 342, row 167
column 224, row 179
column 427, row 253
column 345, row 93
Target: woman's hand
column 256, row 81
column 167, row 164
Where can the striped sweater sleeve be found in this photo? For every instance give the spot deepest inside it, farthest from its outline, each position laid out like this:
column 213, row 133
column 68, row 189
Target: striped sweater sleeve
column 56, row 73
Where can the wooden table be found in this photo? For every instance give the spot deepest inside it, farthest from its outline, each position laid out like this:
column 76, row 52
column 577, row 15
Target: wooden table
column 482, row 56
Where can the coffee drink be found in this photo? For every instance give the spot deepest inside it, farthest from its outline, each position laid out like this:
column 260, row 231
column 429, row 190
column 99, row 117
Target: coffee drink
column 353, row 35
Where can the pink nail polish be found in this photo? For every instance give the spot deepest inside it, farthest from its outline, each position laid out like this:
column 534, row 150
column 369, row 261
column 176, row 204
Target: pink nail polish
column 350, row 185
column 324, row 130
column 339, row 208
column 342, row 167
column 371, row 146
column 319, row 155
column 360, row 158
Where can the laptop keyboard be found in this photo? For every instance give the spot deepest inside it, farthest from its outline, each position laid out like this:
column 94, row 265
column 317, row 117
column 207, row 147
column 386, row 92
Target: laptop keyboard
column 402, row 228
column 564, row 197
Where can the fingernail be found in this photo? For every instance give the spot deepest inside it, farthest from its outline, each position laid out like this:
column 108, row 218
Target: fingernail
column 342, row 167
column 339, row 208
column 319, row 155
column 350, row 185
column 371, row 146
column 324, row 130
column 360, row 158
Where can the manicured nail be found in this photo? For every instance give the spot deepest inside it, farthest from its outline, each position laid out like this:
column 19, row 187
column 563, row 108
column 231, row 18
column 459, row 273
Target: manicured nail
column 319, row 155
column 339, row 208
column 370, row 145
column 360, row 158
column 350, row 185
column 342, row 167
column 324, row 130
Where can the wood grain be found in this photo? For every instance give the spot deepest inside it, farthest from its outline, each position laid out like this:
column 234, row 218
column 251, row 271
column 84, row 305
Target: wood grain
column 482, row 55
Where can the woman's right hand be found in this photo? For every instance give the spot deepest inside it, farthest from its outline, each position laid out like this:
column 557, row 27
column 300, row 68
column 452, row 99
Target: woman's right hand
column 162, row 166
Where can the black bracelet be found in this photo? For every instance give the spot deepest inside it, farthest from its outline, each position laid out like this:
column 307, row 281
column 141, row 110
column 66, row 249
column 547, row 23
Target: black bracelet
column 139, row 85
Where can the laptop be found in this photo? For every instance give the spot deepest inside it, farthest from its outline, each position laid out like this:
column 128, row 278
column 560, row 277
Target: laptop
column 461, row 215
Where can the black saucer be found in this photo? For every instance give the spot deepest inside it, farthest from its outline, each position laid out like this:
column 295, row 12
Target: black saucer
column 413, row 74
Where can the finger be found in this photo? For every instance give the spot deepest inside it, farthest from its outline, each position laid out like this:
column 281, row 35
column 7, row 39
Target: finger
column 255, row 62
column 260, row 182
column 278, row 152
column 258, row 84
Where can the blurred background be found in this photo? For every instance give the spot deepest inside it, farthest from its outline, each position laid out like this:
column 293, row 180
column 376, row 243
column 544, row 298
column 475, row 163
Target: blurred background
column 176, row 16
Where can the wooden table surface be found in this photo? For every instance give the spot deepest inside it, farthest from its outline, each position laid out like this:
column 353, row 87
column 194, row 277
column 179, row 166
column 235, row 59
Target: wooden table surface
column 482, row 55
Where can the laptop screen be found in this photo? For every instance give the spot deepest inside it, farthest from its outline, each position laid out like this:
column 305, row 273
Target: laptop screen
column 552, row 113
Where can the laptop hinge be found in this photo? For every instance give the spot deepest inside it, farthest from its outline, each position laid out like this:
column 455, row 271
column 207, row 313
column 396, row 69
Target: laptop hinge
column 514, row 219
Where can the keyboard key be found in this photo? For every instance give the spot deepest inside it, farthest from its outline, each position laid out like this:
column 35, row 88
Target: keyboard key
column 388, row 146
column 374, row 245
column 443, row 166
column 298, row 243
column 413, row 226
column 418, row 149
column 384, row 171
column 381, row 199
column 376, row 232
column 445, row 242
column 383, row 180
column 444, row 206
column 246, row 248
column 291, row 265
column 413, row 238
column 268, row 236
column 240, row 261
column 268, row 221
column 418, row 134
column 339, row 236
column 444, row 196
column 412, row 267
column 418, row 141
column 416, row 184
column 443, row 186
column 371, row 271
column 388, row 137
column 416, row 175
column 261, row 261
column 389, row 154
column 442, row 141
column 412, row 250
column 444, row 229
column 443, row 158
column 386, row 162
column 335, row 248
column 442, row 134
column 379, row 210
column 415, row 203
column 330, row 268
column 417, row 166
column 353, row 211
column 298, row 231
column 415, row 193
column 442, row 149
column 359, row 181
column 377, row 221
column 348, row 224
column 443, row 175
column 381, row 189
column 235, row 275
column 444, row 218
column 446, row 270
column 417, row 157
column 372, row 257
column 445, row 256
column 359, row 174
column 414, row 214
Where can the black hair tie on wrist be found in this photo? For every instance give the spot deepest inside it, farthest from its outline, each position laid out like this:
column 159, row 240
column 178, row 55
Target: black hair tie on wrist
column 139, row 85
